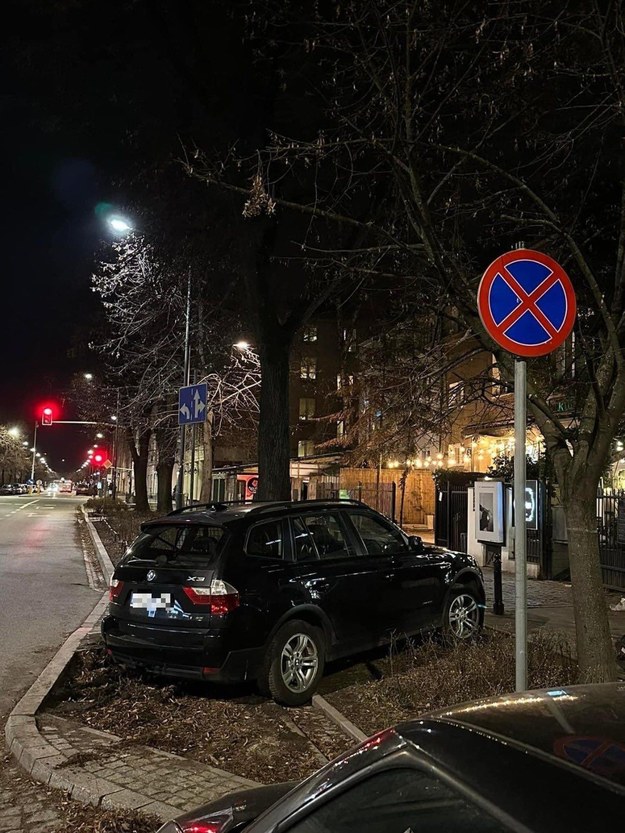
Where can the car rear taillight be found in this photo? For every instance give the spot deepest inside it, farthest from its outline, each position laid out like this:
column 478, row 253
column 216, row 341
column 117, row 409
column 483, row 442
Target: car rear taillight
column 219, row 595
column 203, row 825
column 115, row 588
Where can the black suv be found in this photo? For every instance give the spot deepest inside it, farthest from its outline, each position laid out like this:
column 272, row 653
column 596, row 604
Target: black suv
column 270, row 591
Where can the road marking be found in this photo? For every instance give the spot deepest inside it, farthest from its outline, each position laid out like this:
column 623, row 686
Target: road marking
column 19, row 508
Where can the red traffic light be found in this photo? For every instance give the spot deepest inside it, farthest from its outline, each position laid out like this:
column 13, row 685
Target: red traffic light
column 46, row 416
column 98, row 459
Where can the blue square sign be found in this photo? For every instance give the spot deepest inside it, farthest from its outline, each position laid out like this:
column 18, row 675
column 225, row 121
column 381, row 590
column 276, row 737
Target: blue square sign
column 192, row 404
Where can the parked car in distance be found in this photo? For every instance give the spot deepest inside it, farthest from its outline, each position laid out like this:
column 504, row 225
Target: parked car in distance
column 271, row 591
column 550, row 761
column 84, row 489
column 8, row 489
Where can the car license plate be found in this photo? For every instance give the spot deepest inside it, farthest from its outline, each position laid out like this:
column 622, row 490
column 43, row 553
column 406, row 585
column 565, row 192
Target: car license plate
column 151, row 603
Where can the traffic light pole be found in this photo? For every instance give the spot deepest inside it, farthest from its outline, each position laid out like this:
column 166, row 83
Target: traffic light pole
column 32, row 468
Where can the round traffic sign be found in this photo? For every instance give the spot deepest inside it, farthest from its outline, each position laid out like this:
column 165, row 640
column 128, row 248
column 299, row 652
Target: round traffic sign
column 526, row 302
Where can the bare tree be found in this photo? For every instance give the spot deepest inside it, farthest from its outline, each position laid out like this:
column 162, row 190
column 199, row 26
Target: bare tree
column 466, row 129
column 145, row 306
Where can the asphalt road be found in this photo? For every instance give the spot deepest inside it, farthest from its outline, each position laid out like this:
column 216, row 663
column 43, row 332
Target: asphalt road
column 44, row 592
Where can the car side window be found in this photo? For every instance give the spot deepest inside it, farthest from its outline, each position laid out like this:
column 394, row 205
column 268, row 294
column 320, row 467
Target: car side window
column 398, row 800
column 265, row 540
column 327, row 533
column 377, row 537
column 305, row 549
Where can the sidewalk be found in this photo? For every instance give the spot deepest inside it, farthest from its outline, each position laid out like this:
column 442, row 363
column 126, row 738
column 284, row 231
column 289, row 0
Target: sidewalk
column 549, row 605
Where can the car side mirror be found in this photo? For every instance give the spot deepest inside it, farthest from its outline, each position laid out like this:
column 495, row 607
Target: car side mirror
column 416, row 543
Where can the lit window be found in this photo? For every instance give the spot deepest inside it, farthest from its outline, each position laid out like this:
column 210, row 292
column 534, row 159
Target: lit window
column 343, row 381
column 456, row 394
column 495, row 375
column 308, row 368
column 305, row 448
column 306, row 407
column 349, row 339
column 310, row 334
column 340, row 429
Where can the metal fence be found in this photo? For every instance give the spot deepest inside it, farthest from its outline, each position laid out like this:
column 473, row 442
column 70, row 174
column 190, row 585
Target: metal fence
column 611, row 529
column 381, row 497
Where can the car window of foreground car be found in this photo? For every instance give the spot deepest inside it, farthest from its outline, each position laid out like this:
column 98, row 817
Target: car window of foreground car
column 193, row 545
column 395, row 801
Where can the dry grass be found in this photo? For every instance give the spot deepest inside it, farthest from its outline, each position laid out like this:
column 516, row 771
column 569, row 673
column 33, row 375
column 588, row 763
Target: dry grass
column 437, row 675
column 87, row 819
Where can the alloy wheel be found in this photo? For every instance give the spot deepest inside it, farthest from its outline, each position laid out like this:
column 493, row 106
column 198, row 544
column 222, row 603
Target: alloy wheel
column 299, row 662
column 464, row 616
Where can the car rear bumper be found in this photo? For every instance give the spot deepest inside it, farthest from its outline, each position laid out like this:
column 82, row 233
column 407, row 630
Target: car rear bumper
column 186, row 653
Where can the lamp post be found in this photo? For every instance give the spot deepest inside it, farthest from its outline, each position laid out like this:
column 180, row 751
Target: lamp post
column 187, row 371
column 115, row 419
column 32, row 468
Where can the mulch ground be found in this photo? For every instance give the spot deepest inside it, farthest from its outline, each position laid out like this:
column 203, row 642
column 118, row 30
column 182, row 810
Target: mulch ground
column 232, row 729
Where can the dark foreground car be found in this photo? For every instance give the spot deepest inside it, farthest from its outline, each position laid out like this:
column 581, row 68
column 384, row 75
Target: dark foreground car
column 270, row 591
column 537, row 762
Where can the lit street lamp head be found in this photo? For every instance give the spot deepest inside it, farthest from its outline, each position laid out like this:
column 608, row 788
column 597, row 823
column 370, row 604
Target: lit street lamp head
column 119, row 225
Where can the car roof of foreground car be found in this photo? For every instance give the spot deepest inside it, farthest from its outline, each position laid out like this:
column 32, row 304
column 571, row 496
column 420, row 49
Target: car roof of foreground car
column 575, row 727
column 225, row 513
column 545, row 761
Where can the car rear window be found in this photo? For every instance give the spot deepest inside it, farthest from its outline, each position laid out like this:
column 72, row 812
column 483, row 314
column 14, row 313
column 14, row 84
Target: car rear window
column 186, row 544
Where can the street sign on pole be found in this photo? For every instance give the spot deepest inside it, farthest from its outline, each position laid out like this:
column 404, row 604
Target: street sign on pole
column 192, row 404
column 527, row 305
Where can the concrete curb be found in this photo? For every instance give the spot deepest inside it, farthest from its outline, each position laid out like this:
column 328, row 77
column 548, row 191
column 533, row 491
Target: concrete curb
column 335, row 716
column 103, row 557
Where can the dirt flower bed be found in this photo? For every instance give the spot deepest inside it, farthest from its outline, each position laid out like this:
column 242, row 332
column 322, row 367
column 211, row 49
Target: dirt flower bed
column 436, row 675
column 228, row 728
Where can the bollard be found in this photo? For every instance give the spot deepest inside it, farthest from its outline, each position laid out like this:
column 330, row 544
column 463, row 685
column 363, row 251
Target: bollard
column 498, row 600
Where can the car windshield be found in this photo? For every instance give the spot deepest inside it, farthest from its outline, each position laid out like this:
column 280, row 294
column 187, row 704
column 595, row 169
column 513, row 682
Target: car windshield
column 186, row 544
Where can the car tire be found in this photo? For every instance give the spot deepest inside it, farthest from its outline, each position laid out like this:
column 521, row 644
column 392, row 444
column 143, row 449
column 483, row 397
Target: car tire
column 294, row 664
column 462, row 618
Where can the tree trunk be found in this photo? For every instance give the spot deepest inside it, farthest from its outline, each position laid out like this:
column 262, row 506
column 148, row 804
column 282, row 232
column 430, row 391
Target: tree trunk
column 273, row 430
column 164, row 471
column 165, row 445
column 207, row 468
column 595, row 652
column 140, row 463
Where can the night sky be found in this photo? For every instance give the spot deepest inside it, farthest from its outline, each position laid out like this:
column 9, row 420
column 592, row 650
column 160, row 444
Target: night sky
column 86, row 98
column 50, row 237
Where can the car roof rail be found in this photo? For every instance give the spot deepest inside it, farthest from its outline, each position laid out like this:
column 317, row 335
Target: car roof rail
column 215, row 505
column 295, row 504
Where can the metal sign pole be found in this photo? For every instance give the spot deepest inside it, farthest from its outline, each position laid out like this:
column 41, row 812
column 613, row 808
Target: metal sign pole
column 187, row 368
column 520, row 539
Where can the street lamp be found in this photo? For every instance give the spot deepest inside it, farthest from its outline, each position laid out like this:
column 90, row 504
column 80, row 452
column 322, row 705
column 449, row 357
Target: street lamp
column 88, row 376
column 119, row 225
column 14, row 432
column 242, row 345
